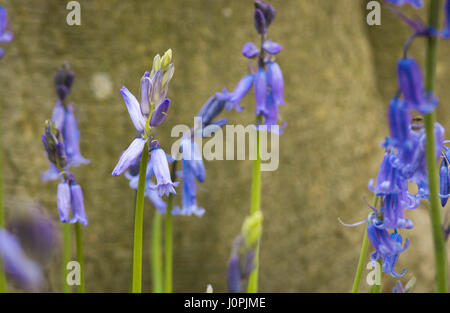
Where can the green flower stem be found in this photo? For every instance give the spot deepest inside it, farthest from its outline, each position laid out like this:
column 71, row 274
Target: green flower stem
column 138, row 224
column 168, row 260
column 66, row 256
column 255, row 207
column 362, row 255
column 169, row 246
column 156, row 255
column 440, row 251
column 80, row 258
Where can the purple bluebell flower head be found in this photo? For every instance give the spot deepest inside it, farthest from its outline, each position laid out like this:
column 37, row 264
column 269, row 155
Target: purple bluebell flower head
column 150, row 192
column 146, row 88
column 134, row 109
column 261, row 92
column 77, row 203
column 63, row 201
column 52, row 173
column 399, row 120
column 444, row 181
column 414, row 3
column 193, row 168
column 5, row 34
column 63, row 81
column 271, row 47
column 129, row 156
column 387, row 246
column 59, row 115
column 276, row 82
column 250, row 50
column 267, row 9
column 411, row 85
column 71, row 136
column 159, row 116
column 210, row 110
column 446, row 30
column 17, row 265
column 393, row 212
column 234, row 98
column 162, row 173
column 389, row 180
column 260, row 22
column 54, row 146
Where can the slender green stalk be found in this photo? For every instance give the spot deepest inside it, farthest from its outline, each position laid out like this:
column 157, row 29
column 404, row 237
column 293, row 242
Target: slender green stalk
column 80, row 257
column 362, row 255
column 168, row 247
column 440, row 252
column 156, row 255
column 2, row 223
column 255, row 206
column 66, row 255
column 138, row 224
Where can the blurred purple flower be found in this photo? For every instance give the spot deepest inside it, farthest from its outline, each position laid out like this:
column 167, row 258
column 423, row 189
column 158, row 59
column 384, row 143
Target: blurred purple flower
column 5, row 34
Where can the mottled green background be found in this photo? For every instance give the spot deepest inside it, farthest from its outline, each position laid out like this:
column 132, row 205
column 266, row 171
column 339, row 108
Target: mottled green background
column 339, row 75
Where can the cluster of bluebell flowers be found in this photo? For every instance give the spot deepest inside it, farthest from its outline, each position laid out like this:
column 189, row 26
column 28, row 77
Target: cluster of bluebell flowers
column 267, row 79
column 69, row 193
column 404, row 161
column 65, row 121
column 5, row 34
column 149, row 112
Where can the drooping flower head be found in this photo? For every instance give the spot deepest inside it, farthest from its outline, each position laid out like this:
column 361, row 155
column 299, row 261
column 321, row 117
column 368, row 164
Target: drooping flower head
column 267, row 80
column 5, row 34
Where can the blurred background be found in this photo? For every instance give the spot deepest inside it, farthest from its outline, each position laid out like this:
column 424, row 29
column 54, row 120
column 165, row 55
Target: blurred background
column 339, row 77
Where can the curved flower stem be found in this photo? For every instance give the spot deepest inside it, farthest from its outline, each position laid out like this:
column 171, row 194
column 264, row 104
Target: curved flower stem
column 440, row 252
column 80, row 258
column 66, row 256
column 156, row 254
column 2, row 224
column 138, row 224
column 362, row 255
column 255, row 206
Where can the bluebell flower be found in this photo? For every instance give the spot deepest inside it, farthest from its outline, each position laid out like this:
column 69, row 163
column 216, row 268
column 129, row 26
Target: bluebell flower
column 268, row 11
column 414, row 3
column 70, row 199
column 387, row 246
column 234, row 98
column 16, row 264
column 161, row 171
column 444, row 182
column 446, row 30
column 399, row 121
column 389, row 179
column 393, row 210
column 271, row 47
column 210, row 110
column 63, row 81
column 250, row 50
column 5, row 34
column 193, row 169
column 150, row 189
column 156, row 88
column 276, row 82
column 411, row 85
column 71, row 136
column 261, row 91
